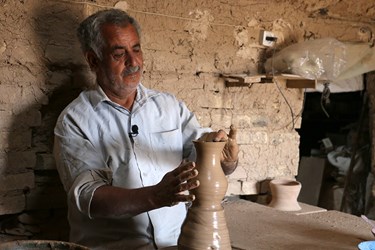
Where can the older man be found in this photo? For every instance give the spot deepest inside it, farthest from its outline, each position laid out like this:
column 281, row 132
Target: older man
column 124, row 152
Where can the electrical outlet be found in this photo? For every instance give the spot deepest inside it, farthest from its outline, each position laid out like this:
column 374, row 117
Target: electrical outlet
column 267, row 38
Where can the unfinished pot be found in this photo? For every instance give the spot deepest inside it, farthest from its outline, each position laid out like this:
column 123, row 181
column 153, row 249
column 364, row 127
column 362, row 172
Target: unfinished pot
column 205, row 225
column 284, row 194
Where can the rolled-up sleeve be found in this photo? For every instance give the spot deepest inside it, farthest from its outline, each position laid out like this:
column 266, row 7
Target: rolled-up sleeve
column 81, row 168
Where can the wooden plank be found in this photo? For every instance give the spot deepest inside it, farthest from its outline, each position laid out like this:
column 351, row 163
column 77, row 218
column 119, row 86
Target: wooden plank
column 300, row 83
column 292, row 81
column 310, row 174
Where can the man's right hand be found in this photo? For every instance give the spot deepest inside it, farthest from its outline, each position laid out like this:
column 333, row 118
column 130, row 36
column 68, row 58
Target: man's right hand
column 112, row 202
column 172, row 188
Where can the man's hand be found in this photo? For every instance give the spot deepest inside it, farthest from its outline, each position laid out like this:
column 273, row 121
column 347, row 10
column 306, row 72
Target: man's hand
column 231, row 149
column 171, row 189
column 115, row 202
column 229, row 156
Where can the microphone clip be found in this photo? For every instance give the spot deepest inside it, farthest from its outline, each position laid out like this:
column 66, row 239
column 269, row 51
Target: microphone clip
column 134, row 131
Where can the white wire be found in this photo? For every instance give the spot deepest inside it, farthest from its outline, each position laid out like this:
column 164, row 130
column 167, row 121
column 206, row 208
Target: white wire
column 281, row 92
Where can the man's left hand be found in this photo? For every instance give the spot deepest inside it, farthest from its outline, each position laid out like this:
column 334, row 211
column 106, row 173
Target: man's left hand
column 229, row 156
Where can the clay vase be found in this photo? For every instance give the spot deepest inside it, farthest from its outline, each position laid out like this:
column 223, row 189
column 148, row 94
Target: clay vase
column 205, row 226
column 284, row 194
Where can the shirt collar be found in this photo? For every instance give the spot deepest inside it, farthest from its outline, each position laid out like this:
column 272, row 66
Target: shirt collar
column 98, row 96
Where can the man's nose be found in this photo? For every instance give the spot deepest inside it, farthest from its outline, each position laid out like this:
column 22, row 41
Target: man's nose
column 131, row 60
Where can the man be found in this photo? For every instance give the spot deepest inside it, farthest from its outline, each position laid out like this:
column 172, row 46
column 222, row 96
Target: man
column 124, row 152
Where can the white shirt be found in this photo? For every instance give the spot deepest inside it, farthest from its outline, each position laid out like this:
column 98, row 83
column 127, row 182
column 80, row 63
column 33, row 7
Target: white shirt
column 93, row 148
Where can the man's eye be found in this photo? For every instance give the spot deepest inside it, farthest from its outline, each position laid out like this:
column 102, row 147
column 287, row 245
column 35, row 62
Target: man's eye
column 137, row 49
column 118, row 55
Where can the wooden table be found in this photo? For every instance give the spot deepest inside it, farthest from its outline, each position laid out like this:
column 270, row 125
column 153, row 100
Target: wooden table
column 258, row 227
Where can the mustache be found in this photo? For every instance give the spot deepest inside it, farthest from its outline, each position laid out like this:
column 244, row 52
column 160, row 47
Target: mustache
column 131, row 70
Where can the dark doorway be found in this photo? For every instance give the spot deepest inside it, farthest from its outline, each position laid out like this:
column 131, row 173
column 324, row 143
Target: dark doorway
column 344, row 110
column 344, row 122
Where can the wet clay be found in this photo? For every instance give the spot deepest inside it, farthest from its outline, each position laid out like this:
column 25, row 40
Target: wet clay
column 205, row 225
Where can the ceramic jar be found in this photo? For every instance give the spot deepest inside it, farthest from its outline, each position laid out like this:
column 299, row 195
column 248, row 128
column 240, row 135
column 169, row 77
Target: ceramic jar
column 205, row 225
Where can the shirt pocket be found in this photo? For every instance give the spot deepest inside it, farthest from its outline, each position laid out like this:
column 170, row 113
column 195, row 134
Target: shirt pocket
column 167, row 148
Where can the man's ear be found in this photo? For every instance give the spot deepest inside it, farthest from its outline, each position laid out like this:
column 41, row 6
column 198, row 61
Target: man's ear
column 92, row 60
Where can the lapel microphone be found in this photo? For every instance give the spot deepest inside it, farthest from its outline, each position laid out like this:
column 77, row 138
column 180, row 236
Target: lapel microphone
column 134, row 131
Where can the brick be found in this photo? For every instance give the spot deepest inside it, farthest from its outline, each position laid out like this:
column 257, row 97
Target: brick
column 234, row 187
column 251, row 121
column 32, row 118
column 11, row 202
column 27, row 55
column 204, row 118
column 5, row 120
column 220, row 120
column 256, row 159
column 281, row 138
column 240, row 173
column 250, row 187
column 15, row 76
column 10, row 121
column 63, row 53
column 57, row 77
column 15, row 140
column 245, row 136
column 172, row 62
column 213, row 83
column 215, row 100
column 258, row 137
column 33, row 95
column 17, row 162
column 264, row 161
column 10, row 94
column 260, row 121
column 242, row 121
column 17, row 181
column 45, row 162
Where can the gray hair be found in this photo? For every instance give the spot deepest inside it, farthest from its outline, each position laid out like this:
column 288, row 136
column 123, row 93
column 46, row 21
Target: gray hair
column 89, row 31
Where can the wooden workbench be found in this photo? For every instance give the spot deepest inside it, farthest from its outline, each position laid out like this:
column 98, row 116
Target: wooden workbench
column 258, row 227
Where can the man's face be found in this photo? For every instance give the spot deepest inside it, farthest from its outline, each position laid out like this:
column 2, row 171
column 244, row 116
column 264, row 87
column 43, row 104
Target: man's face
column 120, row 70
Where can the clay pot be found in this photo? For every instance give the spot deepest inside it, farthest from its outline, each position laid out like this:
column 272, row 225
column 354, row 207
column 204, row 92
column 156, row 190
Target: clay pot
column 205, row 225
column 284, row 194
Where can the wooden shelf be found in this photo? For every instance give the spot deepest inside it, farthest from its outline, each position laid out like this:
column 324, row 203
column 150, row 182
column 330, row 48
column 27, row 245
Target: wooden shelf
column 292, row 81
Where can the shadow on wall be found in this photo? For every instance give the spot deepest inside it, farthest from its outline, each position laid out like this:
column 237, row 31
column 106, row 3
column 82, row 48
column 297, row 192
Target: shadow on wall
column 30, row 143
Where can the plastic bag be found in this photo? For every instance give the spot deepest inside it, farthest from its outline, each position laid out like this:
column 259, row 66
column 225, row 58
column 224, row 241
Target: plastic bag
column 321, row 59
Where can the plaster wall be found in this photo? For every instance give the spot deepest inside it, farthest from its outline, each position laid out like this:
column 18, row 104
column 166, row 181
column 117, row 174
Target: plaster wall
column 187, row 45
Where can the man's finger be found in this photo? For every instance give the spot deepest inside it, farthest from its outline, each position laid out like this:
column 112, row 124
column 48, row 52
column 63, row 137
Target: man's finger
column 183, row 167
column 232, row 132
column 221, row 136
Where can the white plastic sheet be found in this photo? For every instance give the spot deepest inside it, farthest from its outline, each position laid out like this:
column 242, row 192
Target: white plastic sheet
column 323, row 59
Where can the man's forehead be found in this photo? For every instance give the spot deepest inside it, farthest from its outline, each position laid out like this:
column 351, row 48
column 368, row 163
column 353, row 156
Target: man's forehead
column 118, row 36
column 126, row 27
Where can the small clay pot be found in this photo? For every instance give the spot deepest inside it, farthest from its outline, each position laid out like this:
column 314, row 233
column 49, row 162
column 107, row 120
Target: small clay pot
column 284, row 194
